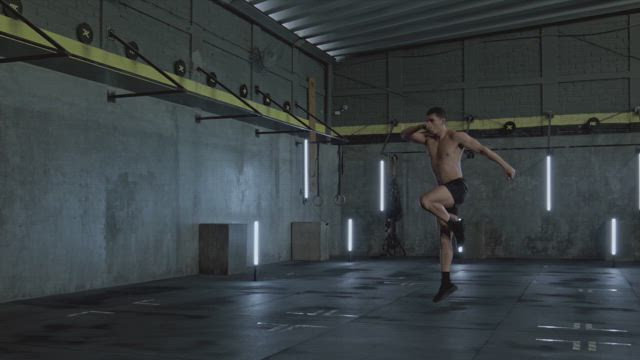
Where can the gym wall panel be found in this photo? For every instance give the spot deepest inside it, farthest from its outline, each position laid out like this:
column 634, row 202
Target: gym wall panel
column 372, row 70
column 509, row 57
column 594, row 96
column 503, row 75
column 231, row 68
column 63, row 17
column 211, row 19
column 589, row 54
column 414, row 103
column 506, row 101
column 370, row 106
column 432, row 66
column 161, row 43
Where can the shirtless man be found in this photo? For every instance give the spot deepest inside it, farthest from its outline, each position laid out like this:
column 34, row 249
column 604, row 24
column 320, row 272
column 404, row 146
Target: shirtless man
column 445, row 148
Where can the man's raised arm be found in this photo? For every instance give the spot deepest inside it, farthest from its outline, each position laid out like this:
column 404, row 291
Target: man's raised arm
column 414, row 134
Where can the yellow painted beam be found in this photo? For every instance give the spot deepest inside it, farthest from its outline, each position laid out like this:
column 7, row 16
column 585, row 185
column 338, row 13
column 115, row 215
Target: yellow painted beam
column 496, row 124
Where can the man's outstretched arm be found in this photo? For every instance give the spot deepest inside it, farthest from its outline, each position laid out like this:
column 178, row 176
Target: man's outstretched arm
column 474, row 145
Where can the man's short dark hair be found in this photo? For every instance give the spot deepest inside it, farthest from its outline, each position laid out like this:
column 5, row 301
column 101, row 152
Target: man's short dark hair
column 438, row 111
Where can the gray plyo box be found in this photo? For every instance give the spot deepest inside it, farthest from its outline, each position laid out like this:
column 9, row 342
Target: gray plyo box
column 223, row 248
column 309, row 241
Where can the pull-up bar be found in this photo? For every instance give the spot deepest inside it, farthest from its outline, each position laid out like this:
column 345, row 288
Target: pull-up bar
column 112, row 96
column 60, row 51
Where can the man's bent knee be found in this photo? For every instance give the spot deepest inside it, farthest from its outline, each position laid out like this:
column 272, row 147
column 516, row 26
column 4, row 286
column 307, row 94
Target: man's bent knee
column 425, row 203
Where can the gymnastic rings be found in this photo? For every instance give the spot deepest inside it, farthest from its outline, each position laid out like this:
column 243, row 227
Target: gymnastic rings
column 340, row 200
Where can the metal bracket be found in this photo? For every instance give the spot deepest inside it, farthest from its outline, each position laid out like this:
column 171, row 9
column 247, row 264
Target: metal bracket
column 288, row 111
column 256, row 113
column 60, row 51
column 245, row 102
column 223, row 117
column 258, row 132
column 340, row 137
column 260, row 92
column 112, row 96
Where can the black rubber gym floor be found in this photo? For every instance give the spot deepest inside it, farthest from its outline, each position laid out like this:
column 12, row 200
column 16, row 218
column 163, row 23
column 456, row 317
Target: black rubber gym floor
column 372, row 309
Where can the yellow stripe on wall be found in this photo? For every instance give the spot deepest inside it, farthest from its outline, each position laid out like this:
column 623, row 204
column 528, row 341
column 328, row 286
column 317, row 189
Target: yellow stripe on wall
column 496, row 124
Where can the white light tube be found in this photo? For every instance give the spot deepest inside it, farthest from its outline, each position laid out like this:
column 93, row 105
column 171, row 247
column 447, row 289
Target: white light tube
column 381, row 185
column 256, row 243
column 350, row 235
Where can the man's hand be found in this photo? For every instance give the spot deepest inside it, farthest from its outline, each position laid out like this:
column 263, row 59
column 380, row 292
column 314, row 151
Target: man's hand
column 416, row 134
column 511, row 172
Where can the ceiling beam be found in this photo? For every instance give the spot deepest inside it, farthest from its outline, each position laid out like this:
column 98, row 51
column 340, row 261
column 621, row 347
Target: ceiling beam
column 444, row 18
column 364, row 19
column 348, row 15
column 251, row 14
column 598, row 9
column 304, row 10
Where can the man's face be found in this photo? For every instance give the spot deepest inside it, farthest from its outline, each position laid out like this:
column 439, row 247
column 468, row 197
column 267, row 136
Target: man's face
column 434, row 123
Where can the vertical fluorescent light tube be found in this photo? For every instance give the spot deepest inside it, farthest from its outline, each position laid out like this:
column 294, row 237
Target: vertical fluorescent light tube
column 306, row 168
column 350, row 235
column 548, row 182
column 256, row 243
column 381, row 185
column 614, row 236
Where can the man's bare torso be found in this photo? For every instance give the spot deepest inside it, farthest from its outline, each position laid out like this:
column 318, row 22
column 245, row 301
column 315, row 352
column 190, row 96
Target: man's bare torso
column 445, row 155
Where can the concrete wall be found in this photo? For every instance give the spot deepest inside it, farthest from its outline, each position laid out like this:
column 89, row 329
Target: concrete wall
column 97, row 194
column 523, row 73
column 509, row 220
column 558, row 68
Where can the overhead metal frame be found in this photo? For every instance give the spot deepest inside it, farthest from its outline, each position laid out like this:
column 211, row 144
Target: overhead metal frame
column 306, row 111
column 60, row 50
column 339, row 137
column 343, row 28
column 112, row 96
column 18, row 42
column 221, row 117
column 260, row 92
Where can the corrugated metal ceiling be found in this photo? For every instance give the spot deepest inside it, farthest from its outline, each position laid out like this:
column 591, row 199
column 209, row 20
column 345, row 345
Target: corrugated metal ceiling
column 348, row 27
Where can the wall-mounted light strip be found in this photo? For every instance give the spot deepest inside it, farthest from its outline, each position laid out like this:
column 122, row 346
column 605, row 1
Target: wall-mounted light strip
column 614, row 236
column 381, row 185
column 306, row 169
column 256, row 243
column 350, row 235
column 548, row 182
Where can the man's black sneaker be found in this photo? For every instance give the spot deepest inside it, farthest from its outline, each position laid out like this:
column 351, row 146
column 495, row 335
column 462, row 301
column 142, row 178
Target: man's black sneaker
column 458, row 230
column 444, row 292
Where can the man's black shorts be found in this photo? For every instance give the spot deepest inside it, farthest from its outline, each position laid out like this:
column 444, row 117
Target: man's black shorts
column 458, row 190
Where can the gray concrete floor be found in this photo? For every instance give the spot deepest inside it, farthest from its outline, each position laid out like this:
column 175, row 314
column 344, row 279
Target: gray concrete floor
column 373, row 309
